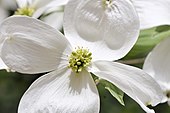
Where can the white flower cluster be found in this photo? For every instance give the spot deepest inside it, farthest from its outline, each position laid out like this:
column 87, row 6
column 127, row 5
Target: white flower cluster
column 102, row 31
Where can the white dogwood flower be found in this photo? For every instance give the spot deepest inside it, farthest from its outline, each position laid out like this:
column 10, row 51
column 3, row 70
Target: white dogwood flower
column 96, row 33
column 49, row 11
column 35, row 8
column 152, row 12
column 157, row 65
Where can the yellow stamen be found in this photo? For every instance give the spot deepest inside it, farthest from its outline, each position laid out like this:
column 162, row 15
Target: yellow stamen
column 79, row 59
column 27, row 11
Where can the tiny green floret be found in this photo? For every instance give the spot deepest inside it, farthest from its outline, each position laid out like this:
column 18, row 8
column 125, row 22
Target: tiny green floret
column 79, row 59
column 27, row 11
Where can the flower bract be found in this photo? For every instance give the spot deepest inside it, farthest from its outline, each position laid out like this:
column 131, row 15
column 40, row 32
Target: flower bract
column 157, row 65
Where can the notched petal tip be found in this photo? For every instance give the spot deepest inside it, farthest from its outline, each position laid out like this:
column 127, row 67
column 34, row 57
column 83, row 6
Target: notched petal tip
column 61, row 91
column 108, row 32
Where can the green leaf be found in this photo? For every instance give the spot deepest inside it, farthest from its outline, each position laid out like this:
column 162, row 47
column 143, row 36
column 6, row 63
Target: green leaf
column 147, row 41
column 114, row 91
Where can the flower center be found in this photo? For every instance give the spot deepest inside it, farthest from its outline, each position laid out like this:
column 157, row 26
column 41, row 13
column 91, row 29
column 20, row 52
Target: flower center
column 79, row 59
column 28, row 11
column 107, row 3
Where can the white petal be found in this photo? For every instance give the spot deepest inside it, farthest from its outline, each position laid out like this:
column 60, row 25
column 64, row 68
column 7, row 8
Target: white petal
column 43, row 5
column 3, row 14
column 31, row 46
column 109, row 32
column 157, row 64
column 40, row 3
column 133, row 81
column 57, row 2
column 61, row 92
column 2, row 65
column 22, row 3
column 48, row 3
column 169, row 102
column 55, row 19
column 39, row 12
column 8, row 4
column 153, row 12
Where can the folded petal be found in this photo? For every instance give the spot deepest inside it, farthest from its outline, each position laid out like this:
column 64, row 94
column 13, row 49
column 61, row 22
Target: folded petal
column 61, row 92
column 134, row 82
column 152, row 12
column 157, row 64
column 108, row 28
column 32, row 46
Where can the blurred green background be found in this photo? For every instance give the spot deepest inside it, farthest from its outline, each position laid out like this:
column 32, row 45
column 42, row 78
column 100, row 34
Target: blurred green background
column 13, row 85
